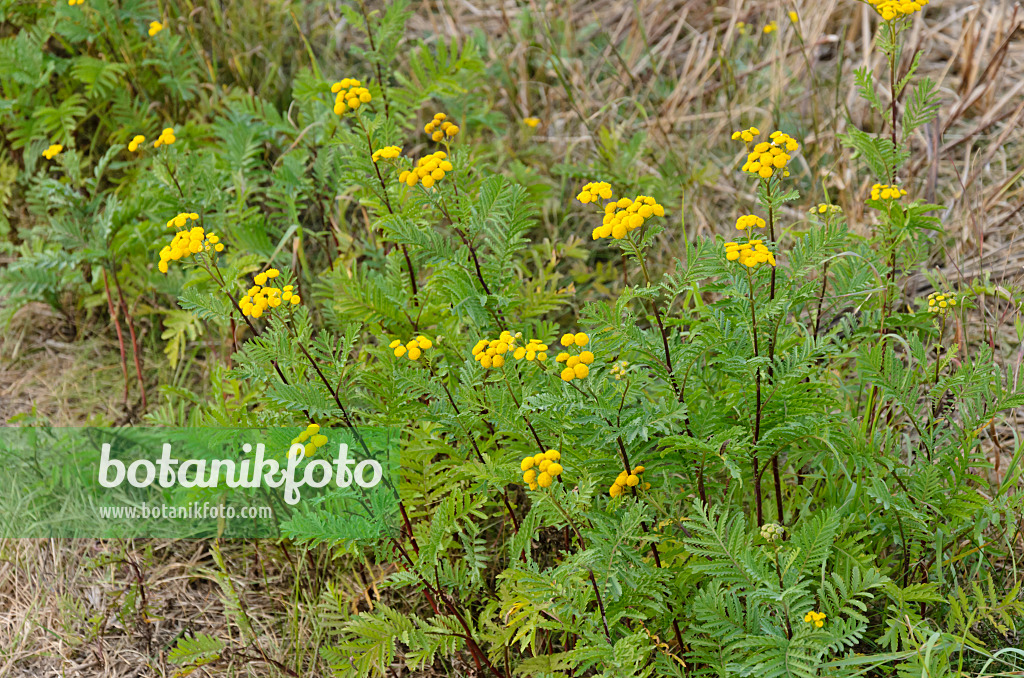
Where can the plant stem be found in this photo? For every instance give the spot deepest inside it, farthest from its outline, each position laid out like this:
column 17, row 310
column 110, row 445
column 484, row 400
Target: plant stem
column 757, row 414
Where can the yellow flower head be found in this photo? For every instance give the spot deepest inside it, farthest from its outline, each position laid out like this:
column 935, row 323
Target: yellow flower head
column 412, row 349
column 429, row 170
column 771, row 27
column 388, row 153
column 494, row 352
column 349, row 95
column 747, row 135
column 770, row 157
column 793, row 17
column 940, row 303
column 136, row 141
column 188, row 240
column 440, row 128
column 53, row 151
column 894, row 10
column 750, row 253
column 155, row 27
column 311, row 440
column 547, row 469
column 262, row 297
column 632, row 479
column 815, row 618
column 887, row 192
column 749, row 221
column 576, row 366
column 625, row 216
column 531, row 122
column 595, row 190
column 72, row 3
column 166, row 138
column 827, row 209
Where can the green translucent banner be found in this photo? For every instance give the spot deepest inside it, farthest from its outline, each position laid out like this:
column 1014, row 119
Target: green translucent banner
column 303, row 482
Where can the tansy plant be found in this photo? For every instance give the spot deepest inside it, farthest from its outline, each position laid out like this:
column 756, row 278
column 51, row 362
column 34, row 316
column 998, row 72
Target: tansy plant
column 614, row 461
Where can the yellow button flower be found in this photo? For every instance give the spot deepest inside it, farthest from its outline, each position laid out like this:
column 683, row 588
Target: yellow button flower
column 441, row 128
column 387, row 153
column 155, row 27
column 531, row 122
column 349, row 95
column 136, row 141
column 53, row 151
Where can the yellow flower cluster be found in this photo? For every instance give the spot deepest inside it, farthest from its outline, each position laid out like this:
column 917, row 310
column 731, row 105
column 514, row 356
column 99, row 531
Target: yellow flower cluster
column 772, row 532
column 155, row 27
column 750, row 253
column 793, row 17
column 548, row 469
column 897, row 9
column 412, row 350
column 823, row 208
column 75, row 2
column 750, row 221
column 388, row 153
column 136, row 141
column 747, row 135
column 439, row 127
column 311, row 439
column 187, row 241
column 429, row 170
column 887, row 192
column 349, row 95
column 261, row 296
column 531, row 122
column 52, row 152
column 576, row 366
column 491, row 352
column 594, row 190
column 940, row 303
column 166, row 138
column 771, row 27
column 624, row 216
column 631, row 479
column 816, row 618
column 768, row 157
column 619, row 369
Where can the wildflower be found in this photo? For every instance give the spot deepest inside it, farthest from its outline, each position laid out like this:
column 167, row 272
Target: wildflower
column 72, row 3
column 624, row 216
column 262, row 297
column 619, row 369
column 940, row 303
column 136, row 141
column 771, row 27
column 187, row 241
column 747, row 135
column 155, row 27
column 594, row 190
column 768, row 157
column 816, row 618
column 52, row 152
column 630, row 479
column 887, row 192
column 531, row 122
column 891, row 10
column 388, row 153
column 793, row 17
column 349, row 94
column 548, row 469
column 440, row 128
column 827, row 208
column 742, row 28
column 412, row 349
column 311, row 439
column 491, row 352
column 428, row 171
column 166, row 138
column 750, row 221
column 771, row 532
column 750, row 253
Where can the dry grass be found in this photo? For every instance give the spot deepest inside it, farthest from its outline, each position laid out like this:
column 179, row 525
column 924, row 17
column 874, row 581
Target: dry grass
column 652, row 65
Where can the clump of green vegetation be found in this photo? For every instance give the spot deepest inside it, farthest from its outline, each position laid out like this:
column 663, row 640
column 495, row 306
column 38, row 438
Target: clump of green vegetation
column 628, row 448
